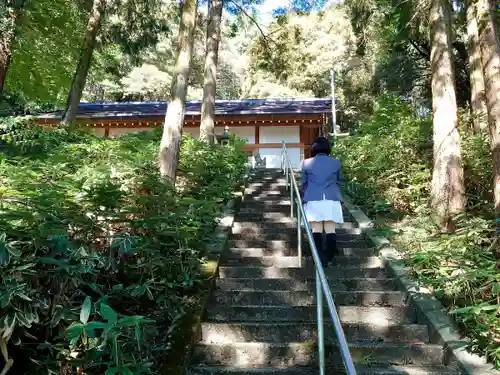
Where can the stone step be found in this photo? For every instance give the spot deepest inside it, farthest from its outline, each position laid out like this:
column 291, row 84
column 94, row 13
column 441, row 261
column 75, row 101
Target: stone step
column 306, row 354
column 301, row 314
column 225, row 333
column 269, row 191
column 306, row 298
column 305, row 284
column 238, row 252
column 270, row 231
column 284, row 227
column 259, row 204
column 360, row 369
column 307, row 262
column 287, row 241
column 267, row 216
column 331, row 272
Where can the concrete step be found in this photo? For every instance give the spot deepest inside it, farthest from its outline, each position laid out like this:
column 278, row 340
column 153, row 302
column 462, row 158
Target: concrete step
column 284, row 227
column 305, row 284
column 270, row 231
column 306, row 298
column 331, row 272
column 249, row 202
column 268, row 217
column 360, row 369
column 238, row 252
column 272, row 196
column 282, row 241
column 306, row 354
column 301, row 314
column 255, row 209
column 307, row 262
column 225, row 333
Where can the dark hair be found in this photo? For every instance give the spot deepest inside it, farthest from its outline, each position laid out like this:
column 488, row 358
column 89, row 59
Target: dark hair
column 320, row 146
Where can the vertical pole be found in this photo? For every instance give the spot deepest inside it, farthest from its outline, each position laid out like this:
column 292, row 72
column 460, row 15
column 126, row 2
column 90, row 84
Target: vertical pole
column 334, row 110
column 286, row 174
column 321, row 334
column 299, row 234
column 292, row 202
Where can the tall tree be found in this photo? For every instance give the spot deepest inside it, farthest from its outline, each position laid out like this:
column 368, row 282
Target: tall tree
column 478, row 99
column 490, row 53
column 207, row 125
column 447, row 190
column 11, row 12
column 82, row 69
column 174, row 118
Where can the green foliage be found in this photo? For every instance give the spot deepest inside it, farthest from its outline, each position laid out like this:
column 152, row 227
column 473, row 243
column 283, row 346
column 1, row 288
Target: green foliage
column 388, row 163
column 388, row 158
column 97, row 254
column 46, row 50
column 295, row 57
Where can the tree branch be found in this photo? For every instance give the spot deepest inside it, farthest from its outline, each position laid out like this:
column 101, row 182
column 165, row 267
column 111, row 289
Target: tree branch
column 419, row 49
column 266, row 38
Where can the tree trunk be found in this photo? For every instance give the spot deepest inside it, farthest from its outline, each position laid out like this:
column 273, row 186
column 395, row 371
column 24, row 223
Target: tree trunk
column 478, row 98
column 174, row 118
column 7, row 39
column 82, row 70
column 490, row 52
column 207, row 125
column 447, row 190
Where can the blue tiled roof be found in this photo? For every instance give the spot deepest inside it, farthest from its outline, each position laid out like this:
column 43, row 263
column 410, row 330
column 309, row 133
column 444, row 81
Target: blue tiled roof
column 132, row 110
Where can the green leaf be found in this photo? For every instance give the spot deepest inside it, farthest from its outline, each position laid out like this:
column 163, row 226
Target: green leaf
column 112, row 371
column 74, row 331
column 58, row 314
column 4, row 255
column 85, row 312
column 108, row 313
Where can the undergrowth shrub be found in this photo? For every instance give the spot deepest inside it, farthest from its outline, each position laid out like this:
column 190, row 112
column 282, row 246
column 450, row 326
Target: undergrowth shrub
column 97, row 254
column 388, row 164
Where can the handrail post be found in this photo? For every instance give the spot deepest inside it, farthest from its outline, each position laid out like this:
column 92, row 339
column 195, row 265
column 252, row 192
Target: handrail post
column 292, row 202
column 321, row 334
column 286, row 177
column 299, row 235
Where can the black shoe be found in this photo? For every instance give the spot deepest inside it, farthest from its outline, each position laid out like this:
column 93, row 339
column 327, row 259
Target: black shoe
column 331, row 246
column 318, row 241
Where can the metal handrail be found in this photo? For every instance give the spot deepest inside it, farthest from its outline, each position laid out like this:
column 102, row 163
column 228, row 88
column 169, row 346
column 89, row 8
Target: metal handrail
column 322, row 286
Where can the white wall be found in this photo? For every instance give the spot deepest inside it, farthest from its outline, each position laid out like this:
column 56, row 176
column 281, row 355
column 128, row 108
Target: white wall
column 118, row 132
column 245, row 132
column 278, row 134
column 195, row 132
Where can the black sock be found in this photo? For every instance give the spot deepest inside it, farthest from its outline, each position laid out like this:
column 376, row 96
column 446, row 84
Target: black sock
column 318, row 241
column 331, row 246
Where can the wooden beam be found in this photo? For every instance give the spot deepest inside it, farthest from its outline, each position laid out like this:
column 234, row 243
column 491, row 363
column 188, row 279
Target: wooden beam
column 233, row 120
column 257, row 133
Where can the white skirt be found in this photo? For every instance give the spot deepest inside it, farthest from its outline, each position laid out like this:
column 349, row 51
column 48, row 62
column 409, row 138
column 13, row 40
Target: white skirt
column 325, row 210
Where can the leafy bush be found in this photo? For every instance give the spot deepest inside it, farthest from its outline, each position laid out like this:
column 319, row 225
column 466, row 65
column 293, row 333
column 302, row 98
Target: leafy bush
column 388, row 163
column 97, row 254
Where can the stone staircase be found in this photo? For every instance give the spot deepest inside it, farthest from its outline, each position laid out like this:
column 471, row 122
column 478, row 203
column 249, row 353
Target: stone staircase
column 262, row 316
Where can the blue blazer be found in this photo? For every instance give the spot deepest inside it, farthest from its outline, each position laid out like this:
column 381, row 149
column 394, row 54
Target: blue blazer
column 321, row 175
